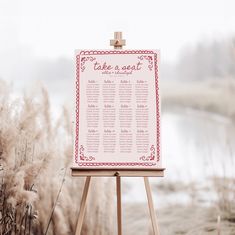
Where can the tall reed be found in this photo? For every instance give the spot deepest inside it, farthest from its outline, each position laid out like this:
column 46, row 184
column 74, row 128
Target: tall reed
column 37, row 194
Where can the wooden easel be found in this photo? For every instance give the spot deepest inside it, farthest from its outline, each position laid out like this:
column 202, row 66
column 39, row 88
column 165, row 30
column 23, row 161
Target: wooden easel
column 118, row 43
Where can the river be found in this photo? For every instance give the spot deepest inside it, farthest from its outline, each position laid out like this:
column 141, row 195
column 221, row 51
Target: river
column 196, row 146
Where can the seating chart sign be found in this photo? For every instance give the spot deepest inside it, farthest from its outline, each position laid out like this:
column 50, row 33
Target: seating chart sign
column 117, row 109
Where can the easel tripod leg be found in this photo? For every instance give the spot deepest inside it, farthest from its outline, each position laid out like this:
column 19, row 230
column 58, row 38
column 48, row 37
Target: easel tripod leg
column 119, row 205
column 151, row 207
column 83, row 206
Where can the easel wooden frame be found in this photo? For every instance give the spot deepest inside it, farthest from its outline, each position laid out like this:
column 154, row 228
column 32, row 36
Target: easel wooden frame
column 117, row 42
column 118, row 174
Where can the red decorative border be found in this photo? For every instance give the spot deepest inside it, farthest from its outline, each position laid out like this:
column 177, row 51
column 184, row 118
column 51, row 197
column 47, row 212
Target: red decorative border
column 78, row 67
column 157, row 106
column 152, row 155
column 84, row 60
column 93, row 164
column 83, row 157
column 149, row 59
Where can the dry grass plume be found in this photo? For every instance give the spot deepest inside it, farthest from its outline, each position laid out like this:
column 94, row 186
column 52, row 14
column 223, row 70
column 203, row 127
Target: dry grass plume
column 37, row 194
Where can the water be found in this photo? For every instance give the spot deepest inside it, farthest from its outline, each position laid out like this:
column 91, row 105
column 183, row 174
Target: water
column 196, row 146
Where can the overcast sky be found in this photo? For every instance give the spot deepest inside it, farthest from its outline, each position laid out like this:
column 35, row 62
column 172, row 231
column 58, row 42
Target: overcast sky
column 38, row 37
column 52, row 28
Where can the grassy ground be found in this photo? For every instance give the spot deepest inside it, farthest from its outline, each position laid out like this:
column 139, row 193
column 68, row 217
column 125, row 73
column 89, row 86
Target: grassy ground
column 176, row 219
column 200, row 215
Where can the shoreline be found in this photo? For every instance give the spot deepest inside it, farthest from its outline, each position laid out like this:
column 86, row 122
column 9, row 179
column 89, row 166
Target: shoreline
column 213, row 96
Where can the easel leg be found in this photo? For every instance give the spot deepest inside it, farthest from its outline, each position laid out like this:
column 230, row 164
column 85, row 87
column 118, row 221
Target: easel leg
column 83, row 206
column 119, row 205
column 151, row 207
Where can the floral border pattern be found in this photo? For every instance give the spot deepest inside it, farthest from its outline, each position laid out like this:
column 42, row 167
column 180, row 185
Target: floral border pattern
column 83, row 157
column 84, row 60
column 151, row 157
column 149, row 59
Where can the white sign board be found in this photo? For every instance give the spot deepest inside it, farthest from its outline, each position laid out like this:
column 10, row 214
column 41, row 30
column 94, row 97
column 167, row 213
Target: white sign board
column 117, row 109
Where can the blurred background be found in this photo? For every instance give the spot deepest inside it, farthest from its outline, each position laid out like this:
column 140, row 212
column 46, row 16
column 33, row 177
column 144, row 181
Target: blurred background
column 197, row 86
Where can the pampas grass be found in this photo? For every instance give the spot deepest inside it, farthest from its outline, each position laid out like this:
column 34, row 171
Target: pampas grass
column 37, row 194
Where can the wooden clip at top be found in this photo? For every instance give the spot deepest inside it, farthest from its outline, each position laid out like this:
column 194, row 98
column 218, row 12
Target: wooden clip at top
column 117, row 42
